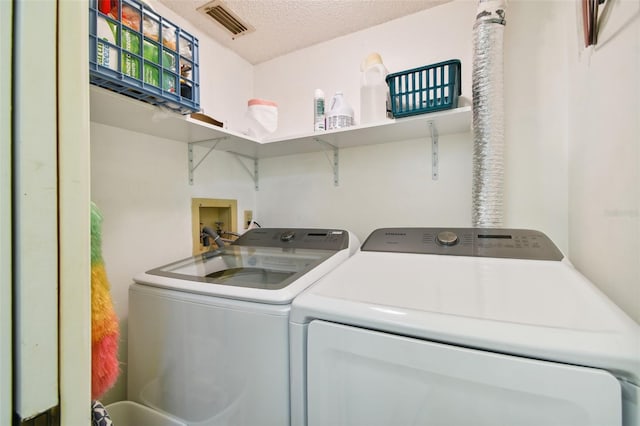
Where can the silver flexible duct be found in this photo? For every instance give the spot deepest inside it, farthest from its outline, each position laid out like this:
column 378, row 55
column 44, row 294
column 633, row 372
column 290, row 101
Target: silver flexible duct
column 488, row 115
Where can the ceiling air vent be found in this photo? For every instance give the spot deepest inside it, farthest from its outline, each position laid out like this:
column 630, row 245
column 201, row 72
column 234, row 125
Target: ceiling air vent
column 220, row 13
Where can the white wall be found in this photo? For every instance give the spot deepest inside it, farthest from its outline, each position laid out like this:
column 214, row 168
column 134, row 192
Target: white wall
column 390, row 185
column 604, row 155
column 382, row 185
column 140, row 183
column 535, row 89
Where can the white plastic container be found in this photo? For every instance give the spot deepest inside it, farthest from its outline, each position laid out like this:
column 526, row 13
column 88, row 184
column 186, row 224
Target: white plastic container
column 129, row 413
column 262, row 116
column 373, row 90
column 341, row 114
column 318, row 111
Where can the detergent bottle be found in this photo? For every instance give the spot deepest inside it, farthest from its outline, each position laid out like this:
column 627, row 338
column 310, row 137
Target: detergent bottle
column 341, row 114
column 318, row 111
column 373, row 90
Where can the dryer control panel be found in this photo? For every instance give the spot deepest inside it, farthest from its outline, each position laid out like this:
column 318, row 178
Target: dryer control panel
column 478, row 242
column 318, row 239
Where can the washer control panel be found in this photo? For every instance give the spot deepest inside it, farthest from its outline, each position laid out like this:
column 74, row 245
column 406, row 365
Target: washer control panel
column 478, row 242
column 320, row 239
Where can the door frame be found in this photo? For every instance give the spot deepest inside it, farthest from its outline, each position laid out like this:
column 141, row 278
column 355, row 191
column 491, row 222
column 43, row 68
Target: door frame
column 50, row 245
column 6, row 313
column 74, row 216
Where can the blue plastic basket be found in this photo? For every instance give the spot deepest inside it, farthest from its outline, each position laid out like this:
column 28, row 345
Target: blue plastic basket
column 426, row 89
column 136, row 52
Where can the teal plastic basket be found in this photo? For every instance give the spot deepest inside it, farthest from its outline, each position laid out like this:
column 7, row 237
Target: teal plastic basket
column 426, row 89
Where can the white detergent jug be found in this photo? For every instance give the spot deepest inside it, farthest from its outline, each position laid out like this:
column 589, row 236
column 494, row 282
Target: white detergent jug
column 373, row 90
column 341, row 114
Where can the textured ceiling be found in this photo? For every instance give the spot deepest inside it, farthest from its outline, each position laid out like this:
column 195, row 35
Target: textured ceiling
column 283, row 26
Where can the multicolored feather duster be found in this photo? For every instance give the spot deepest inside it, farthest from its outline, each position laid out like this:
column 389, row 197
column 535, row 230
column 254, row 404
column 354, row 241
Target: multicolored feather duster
column 105, row 331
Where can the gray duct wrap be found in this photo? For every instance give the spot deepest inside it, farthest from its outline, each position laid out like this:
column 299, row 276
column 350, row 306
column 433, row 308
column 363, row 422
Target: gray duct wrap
column 488, row 115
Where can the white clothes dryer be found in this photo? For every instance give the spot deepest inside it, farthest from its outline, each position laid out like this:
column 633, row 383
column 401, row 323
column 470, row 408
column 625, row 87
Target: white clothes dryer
column 429, row 326
column 208, row 339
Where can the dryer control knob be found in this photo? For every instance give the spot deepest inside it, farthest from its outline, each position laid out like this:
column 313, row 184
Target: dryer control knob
column 287, row 236
column 447, row 238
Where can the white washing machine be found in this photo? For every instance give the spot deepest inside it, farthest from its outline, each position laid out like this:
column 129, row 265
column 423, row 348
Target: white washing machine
column 208, row 339
column 429, row 326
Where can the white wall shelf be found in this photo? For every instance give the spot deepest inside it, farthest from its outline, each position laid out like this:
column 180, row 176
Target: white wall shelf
column 120, row 111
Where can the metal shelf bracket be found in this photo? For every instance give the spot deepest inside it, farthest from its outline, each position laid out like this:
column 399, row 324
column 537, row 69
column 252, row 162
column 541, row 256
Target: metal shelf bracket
column 254, row 175
column 335, row 163
column 192, row 167
column 434, row 151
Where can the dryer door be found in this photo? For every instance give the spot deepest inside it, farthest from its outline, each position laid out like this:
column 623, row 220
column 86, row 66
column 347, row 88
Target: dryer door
column 363, row 377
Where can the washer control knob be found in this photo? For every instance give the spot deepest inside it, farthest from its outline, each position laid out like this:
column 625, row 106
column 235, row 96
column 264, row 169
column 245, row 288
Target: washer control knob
column 447, row 238
column 287, row 236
